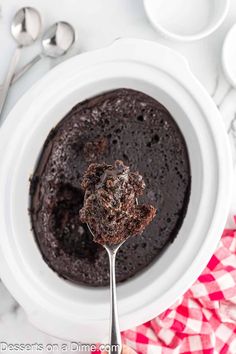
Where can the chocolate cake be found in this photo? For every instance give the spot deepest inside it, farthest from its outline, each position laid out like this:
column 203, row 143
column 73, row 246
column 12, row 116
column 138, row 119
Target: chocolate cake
column 119, row 125
column 110, row 203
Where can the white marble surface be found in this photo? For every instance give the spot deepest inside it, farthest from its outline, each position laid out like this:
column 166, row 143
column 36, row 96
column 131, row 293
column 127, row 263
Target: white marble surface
column 98, row 23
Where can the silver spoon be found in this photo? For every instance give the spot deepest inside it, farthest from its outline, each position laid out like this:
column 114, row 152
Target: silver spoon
column 115, row 336
column 56, row 41
column 25, row 28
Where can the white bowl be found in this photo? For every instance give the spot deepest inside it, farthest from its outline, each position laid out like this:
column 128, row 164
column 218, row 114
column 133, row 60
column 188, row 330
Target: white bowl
column 57, row 306
column 186, row 20
column 229, row 56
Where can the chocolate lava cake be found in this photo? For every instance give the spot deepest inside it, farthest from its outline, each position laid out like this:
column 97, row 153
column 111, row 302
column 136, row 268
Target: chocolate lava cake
column 119, row 125
column 110, row 206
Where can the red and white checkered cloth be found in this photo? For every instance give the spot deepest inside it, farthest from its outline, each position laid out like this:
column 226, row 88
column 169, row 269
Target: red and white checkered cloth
column 203, row 321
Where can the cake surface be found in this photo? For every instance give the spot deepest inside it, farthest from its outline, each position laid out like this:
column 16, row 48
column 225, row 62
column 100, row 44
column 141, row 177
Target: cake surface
column 119, row 125
column 111, row 208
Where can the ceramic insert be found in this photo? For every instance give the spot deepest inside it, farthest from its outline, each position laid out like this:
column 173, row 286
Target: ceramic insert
column 119, row 125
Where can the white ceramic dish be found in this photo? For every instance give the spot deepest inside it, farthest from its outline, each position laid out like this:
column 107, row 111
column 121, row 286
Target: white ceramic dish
column 79, row 313
column 186, row 20
column 229, row 56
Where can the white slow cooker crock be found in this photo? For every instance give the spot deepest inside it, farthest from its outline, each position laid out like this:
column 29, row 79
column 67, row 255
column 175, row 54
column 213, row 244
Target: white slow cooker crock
column 79, row 313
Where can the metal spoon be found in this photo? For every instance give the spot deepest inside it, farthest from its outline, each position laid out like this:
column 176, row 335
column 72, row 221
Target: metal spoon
column 115, row 336
column 25, row 28
column 56, row 41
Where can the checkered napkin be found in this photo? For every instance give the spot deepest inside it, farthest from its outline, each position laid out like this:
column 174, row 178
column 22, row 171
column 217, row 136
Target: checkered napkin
column 203, row 321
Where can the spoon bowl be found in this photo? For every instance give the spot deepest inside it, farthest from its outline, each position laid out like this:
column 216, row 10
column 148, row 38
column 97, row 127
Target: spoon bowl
column 26, row 26
column 58, row 39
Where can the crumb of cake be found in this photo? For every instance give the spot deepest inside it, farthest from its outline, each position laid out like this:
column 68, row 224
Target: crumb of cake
column 95, row 148
column 110, row 205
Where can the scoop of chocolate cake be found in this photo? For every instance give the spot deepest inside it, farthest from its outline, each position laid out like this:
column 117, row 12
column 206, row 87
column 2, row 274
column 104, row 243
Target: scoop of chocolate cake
column 110, row 205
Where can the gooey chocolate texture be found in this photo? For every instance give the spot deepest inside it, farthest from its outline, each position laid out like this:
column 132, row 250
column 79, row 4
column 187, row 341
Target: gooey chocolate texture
column 110, row 204
column 119, row 125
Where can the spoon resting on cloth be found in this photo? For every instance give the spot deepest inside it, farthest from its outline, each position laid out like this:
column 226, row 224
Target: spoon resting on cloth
column 113, row 215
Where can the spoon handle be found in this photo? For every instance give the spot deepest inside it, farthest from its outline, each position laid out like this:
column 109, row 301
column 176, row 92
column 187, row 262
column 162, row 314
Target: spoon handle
column 8, row 78
column 115, row 337
column 25, row 68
